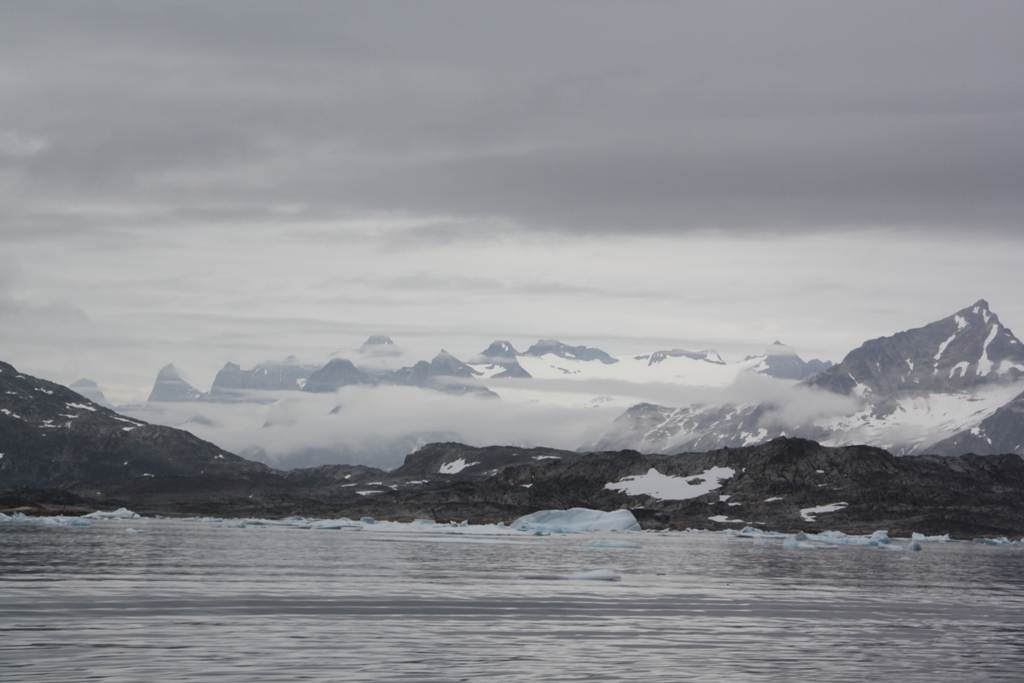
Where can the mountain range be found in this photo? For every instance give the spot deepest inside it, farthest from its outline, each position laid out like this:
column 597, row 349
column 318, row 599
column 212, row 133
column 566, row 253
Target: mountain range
column 953, row 386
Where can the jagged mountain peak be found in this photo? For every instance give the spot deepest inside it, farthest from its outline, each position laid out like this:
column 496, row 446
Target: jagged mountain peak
column 779, row 349
column 378, row 340
column 171, row 388
column 966, row 349
column 500, row 349
column 445, row 364
column 557, row 348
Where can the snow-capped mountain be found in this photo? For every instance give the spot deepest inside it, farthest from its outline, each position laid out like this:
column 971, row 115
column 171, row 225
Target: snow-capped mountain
column 906, row 393
column 783, row 362
column 499, row 361
column 968, row 349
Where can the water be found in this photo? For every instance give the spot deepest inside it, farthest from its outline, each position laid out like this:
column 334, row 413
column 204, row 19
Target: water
column 194, row 601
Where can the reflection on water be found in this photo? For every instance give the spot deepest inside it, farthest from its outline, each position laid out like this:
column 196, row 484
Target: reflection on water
column 191, row 601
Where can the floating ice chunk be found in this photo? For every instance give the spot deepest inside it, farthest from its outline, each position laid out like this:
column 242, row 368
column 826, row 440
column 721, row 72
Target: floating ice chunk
column 595, row 575
column 120, row 513
column 340, row 523
column 607, row 543
column 890, row 546
column 133, row 530
column 914, row 546
column 944, row 538
column 994, row 541
column 239, row 524
column 880, row 538
column 577, row 519
column 368, row 520
column 663, row 487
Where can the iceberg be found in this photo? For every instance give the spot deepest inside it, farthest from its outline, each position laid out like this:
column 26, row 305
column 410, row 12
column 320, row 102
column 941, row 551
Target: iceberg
column 340, row 523
column 944, row 538
column 120, row 513
column 577, row 519
column 914, row 546
column 880, row 538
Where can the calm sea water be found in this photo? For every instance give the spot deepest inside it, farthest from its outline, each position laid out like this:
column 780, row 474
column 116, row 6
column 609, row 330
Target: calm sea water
column 194, row 601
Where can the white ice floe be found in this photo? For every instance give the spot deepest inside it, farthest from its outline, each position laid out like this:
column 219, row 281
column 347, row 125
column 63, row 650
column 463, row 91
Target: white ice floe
column 944, row 538
column 809, row 514
column 665, row 487
column 120, row 513
column 577, row 519
column 455, row 466
column 609, row 543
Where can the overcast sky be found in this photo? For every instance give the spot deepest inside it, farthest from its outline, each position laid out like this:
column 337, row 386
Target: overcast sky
column 197, row 182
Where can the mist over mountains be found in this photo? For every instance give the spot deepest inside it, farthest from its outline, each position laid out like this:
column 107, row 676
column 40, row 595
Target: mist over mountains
column 948, row 387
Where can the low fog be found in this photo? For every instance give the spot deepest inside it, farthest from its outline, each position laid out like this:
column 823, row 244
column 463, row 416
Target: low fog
column 380, row 425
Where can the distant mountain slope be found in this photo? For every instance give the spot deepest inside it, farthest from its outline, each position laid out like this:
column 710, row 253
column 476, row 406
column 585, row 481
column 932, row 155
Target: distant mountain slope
column 171, row 388
column 232, row 380
column 91, row 391
column 1002, row 432
column 912, row 390
column 783, row 362
column 51, row 436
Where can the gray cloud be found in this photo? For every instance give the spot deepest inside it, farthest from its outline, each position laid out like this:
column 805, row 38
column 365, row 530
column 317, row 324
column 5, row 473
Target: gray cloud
column 584, row 117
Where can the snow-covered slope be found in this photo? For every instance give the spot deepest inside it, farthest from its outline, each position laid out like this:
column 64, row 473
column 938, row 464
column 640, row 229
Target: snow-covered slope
column 907, row 392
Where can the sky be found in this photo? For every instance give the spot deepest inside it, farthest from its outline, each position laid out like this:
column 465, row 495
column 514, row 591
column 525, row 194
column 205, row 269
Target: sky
column 196, row 183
